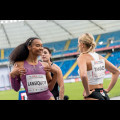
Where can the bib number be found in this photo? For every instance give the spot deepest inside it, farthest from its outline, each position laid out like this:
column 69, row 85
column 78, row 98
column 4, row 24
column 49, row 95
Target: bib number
column 36, row 83
column 98, row 68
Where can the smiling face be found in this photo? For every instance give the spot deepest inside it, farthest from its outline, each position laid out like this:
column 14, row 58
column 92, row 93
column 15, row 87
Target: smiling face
column 46, row 55
column 36, row 47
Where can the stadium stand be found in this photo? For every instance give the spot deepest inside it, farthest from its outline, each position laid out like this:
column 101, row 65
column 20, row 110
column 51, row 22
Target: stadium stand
column 70, row 46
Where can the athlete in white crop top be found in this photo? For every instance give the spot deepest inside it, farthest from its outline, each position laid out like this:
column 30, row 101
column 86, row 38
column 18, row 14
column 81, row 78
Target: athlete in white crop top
column 96, row 75
column 92, row 69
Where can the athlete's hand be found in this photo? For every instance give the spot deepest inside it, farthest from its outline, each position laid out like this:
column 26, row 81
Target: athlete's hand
column 17, row 71
column 87, row 94
column 50, row 68
column 47, row 68
column 106, row 90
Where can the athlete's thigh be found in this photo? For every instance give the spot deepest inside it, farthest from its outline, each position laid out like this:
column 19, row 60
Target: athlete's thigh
column 90, row 99
column 52, row 98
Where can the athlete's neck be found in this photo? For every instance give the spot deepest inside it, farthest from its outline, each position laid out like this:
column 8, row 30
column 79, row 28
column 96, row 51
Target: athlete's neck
column 32, row 59
column 84, row 50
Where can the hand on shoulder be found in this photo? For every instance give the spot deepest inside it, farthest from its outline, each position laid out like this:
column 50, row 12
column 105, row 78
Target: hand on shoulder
column 49, row 68
column 18, row 69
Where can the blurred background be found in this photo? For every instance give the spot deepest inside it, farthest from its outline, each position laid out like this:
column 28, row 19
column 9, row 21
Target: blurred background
column 61, row 36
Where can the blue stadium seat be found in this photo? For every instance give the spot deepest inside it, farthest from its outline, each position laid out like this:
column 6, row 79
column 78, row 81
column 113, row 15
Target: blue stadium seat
column 65, row 65
column 73, row 43
column 115, row 58
column 59, row 50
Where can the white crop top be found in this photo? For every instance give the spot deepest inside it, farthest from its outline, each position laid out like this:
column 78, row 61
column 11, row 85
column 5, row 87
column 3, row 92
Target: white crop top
column 96, row 75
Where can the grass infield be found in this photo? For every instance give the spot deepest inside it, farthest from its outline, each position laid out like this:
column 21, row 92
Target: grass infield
column 73, row 90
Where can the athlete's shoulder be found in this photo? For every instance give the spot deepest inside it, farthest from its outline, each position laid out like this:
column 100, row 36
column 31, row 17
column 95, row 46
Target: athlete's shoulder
column 56, row 66
column 101, row 57
column 81, row 56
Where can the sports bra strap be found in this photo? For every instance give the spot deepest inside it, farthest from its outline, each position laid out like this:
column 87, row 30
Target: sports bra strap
column 94, row 55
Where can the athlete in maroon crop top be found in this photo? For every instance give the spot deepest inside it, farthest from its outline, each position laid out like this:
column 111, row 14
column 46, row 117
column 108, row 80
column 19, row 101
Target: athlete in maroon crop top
column 34, row 75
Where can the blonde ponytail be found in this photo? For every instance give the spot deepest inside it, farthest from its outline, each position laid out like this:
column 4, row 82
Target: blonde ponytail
column 88, row 40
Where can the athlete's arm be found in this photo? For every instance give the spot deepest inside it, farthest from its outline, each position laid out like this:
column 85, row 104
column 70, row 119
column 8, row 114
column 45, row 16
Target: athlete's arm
column 51, row 80
column 60, row 83
column 115, row 74
column 15, row 76
column 81, row 61
column 48, row 77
